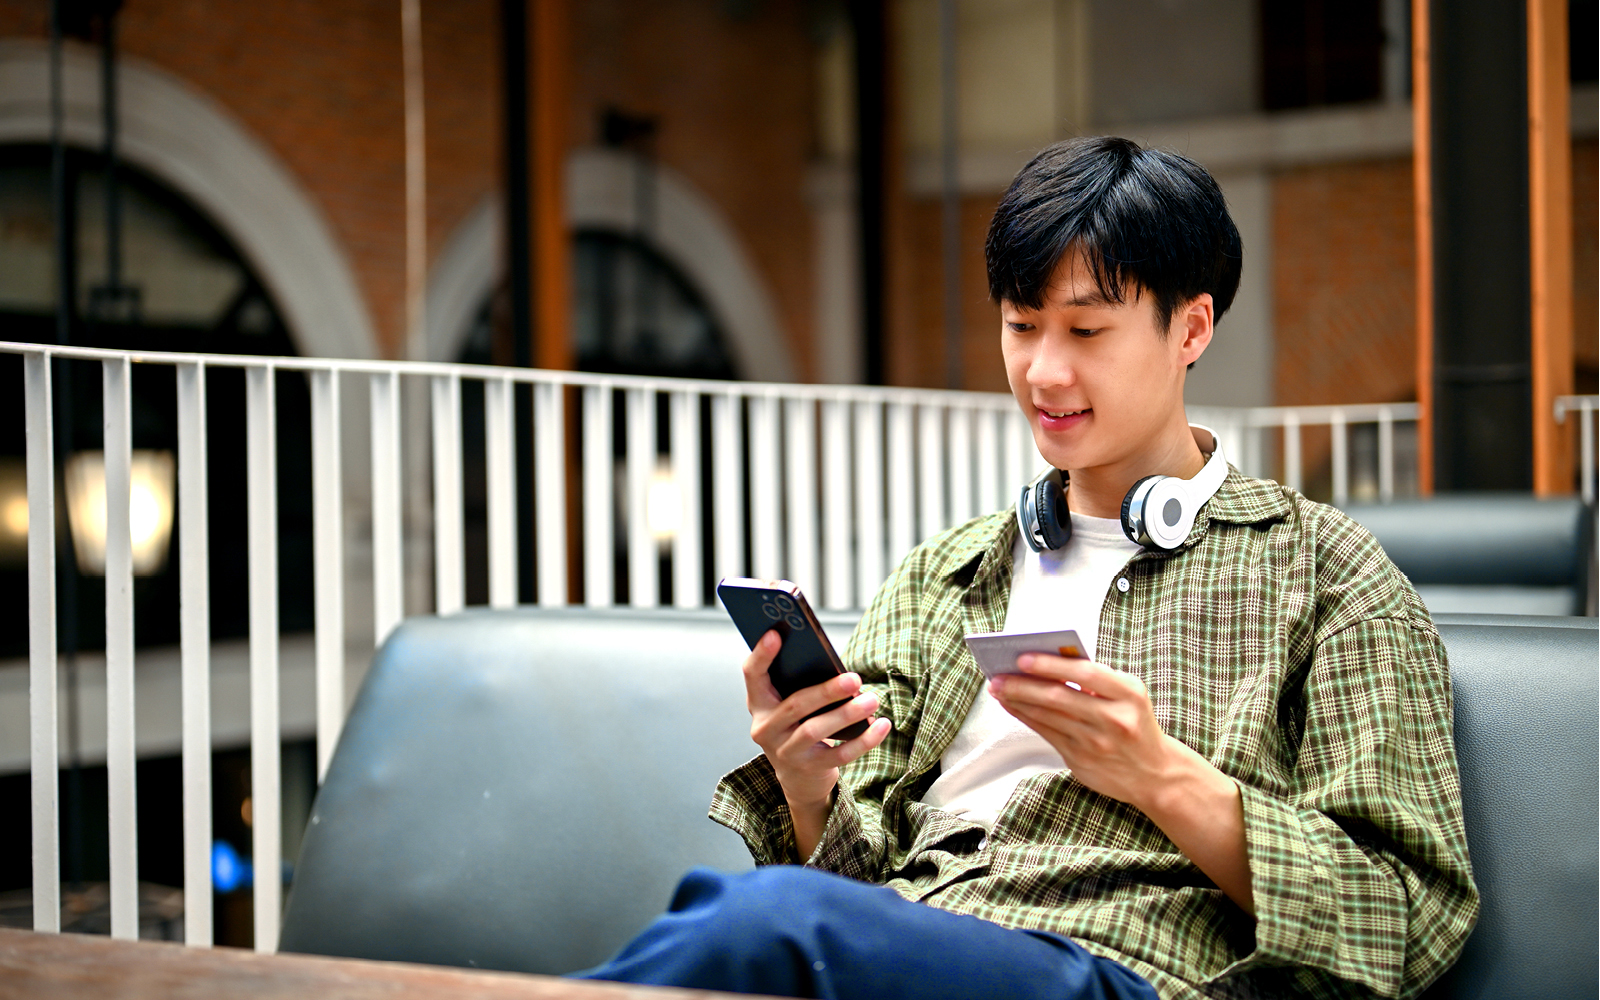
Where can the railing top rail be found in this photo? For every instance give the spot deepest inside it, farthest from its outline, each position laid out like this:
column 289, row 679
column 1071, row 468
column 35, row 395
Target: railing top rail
column 1565, row 403
column 1260, row 416
column 1274, row 416
column 847, row 393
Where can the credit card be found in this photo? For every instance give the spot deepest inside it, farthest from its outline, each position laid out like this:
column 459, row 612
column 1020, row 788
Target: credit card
column 997, row 652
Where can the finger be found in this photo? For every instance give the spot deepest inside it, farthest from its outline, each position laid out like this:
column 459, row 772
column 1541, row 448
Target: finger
column 822, row 727
column 1057, row 728
column 849, row 750
column 1045, row 695
column 1094, row 678
column 807, row 700
column 759, row 692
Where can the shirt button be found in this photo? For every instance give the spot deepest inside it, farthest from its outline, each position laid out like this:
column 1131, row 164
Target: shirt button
column 1122, row 584
column 983, row 842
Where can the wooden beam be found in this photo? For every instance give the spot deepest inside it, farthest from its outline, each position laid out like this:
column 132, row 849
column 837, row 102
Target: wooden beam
column 1550, row 230
column 551, row 240
column 87, row 967
column 1422, row 191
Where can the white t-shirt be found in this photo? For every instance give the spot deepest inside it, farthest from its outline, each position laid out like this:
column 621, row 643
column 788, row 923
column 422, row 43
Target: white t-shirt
column 993, row 752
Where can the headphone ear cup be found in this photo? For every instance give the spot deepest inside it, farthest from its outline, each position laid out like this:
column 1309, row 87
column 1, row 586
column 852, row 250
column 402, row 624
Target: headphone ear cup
column 1050, row 509
column 1133, row 510
column 1168, row 513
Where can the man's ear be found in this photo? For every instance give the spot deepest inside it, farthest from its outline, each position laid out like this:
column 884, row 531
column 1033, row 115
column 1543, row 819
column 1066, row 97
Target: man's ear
column 1192, row 327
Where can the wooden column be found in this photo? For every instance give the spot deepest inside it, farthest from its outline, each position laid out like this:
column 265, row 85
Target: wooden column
column 1422, row 188
column 549, row 236
column 1550, row 231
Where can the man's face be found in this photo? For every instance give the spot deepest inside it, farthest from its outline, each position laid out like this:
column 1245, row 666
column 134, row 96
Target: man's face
column 1098, row 383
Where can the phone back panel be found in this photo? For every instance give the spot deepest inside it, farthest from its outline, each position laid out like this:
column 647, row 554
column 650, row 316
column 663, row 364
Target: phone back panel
column 806, row 658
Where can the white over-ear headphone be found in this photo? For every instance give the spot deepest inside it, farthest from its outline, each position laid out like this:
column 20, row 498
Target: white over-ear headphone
column 1158, row 511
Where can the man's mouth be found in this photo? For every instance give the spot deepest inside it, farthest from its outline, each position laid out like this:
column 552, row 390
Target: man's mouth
column 1061, row 414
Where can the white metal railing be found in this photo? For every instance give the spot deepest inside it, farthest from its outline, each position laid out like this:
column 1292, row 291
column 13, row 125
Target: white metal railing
column 827, row 485
column 1585, row 407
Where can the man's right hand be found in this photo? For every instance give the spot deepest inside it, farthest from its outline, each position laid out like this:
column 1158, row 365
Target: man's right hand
column 806, row 763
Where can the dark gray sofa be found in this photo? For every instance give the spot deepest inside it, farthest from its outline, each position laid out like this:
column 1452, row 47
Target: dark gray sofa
column 1490, row 552
column 522, row 789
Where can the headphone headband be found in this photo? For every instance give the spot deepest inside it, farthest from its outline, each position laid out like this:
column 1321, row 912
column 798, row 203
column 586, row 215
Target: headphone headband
column 1158, row 512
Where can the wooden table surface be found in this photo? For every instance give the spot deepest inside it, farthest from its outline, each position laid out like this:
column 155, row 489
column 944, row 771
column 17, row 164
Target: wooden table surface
column 74, row 966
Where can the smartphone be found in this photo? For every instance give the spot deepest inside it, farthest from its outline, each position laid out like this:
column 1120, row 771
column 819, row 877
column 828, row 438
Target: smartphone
column 806, row 657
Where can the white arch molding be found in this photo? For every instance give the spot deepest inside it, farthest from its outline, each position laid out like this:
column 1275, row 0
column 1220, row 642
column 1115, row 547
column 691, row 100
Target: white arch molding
column 192, row 143
column 688, row 230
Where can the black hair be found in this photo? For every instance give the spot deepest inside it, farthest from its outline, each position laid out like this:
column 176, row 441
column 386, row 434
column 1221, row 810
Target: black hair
column 1144, row 219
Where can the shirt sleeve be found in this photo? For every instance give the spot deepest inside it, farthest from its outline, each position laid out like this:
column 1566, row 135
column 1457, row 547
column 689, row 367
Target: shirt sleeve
column 1361, row 870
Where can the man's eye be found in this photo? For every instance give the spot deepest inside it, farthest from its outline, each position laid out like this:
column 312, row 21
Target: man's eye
column 1079, row 331
column 1020, row 327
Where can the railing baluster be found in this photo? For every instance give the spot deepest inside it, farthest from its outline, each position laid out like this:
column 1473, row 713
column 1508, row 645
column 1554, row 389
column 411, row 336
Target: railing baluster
column 1013, row 426
column 43, row 753
column 1291, row 450
column 327, row 527
column 194, row 629
column 449, row 519
column 930, row 471
column 1033, row 463
column 1385, row 454
column 902, row 485
column 1587, row 417
column 869, row 500
column 687, row 546
column 598, row 544
column 261, row 458
column 727, row 472
column 765, row 490
column 1339, row 433
column 387, row 581
column 550, row 490
column 500, row 483
column 119, row 650
column 836, row 590
column 991, row 488
column 643, row 555
column 800, row 495
column 958, row 455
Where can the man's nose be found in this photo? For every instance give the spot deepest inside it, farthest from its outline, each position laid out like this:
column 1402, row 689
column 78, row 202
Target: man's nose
column 1051, row 365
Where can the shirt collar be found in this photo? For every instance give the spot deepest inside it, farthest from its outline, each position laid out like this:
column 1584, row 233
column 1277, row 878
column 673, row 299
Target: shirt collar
column 1242, row 500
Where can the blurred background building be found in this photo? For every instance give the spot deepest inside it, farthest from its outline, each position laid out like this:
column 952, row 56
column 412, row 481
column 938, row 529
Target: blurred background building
column 772, row 190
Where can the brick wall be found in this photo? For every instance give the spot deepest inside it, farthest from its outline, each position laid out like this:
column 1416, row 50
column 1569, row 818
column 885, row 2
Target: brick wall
column 320, row 84
column 916, row 348
column 1344, row 302
column 733, row 99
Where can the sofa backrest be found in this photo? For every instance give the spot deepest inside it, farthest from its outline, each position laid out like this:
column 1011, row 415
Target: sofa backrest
column 1477, row 552
column 1527, row 714
column 522, row 789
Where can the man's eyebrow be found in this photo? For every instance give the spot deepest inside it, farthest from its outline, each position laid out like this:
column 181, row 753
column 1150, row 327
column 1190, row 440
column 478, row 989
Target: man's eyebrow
column 1090, row 300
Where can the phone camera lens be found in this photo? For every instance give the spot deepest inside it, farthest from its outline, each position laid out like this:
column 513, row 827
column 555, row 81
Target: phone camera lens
column 784, row 603
column 796, row 622
column 772, row 611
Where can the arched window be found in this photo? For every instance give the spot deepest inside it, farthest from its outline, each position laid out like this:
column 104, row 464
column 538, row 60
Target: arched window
column 183, row 287
column 634, row 313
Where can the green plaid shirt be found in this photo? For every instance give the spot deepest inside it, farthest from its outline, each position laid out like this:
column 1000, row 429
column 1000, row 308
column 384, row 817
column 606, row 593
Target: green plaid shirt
column 1281, row 644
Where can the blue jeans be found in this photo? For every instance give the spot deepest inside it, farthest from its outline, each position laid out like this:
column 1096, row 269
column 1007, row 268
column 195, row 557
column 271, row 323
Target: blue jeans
column 799, row 932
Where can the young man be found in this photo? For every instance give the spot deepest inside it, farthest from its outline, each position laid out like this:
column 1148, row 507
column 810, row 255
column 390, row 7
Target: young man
column 1247, row 789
